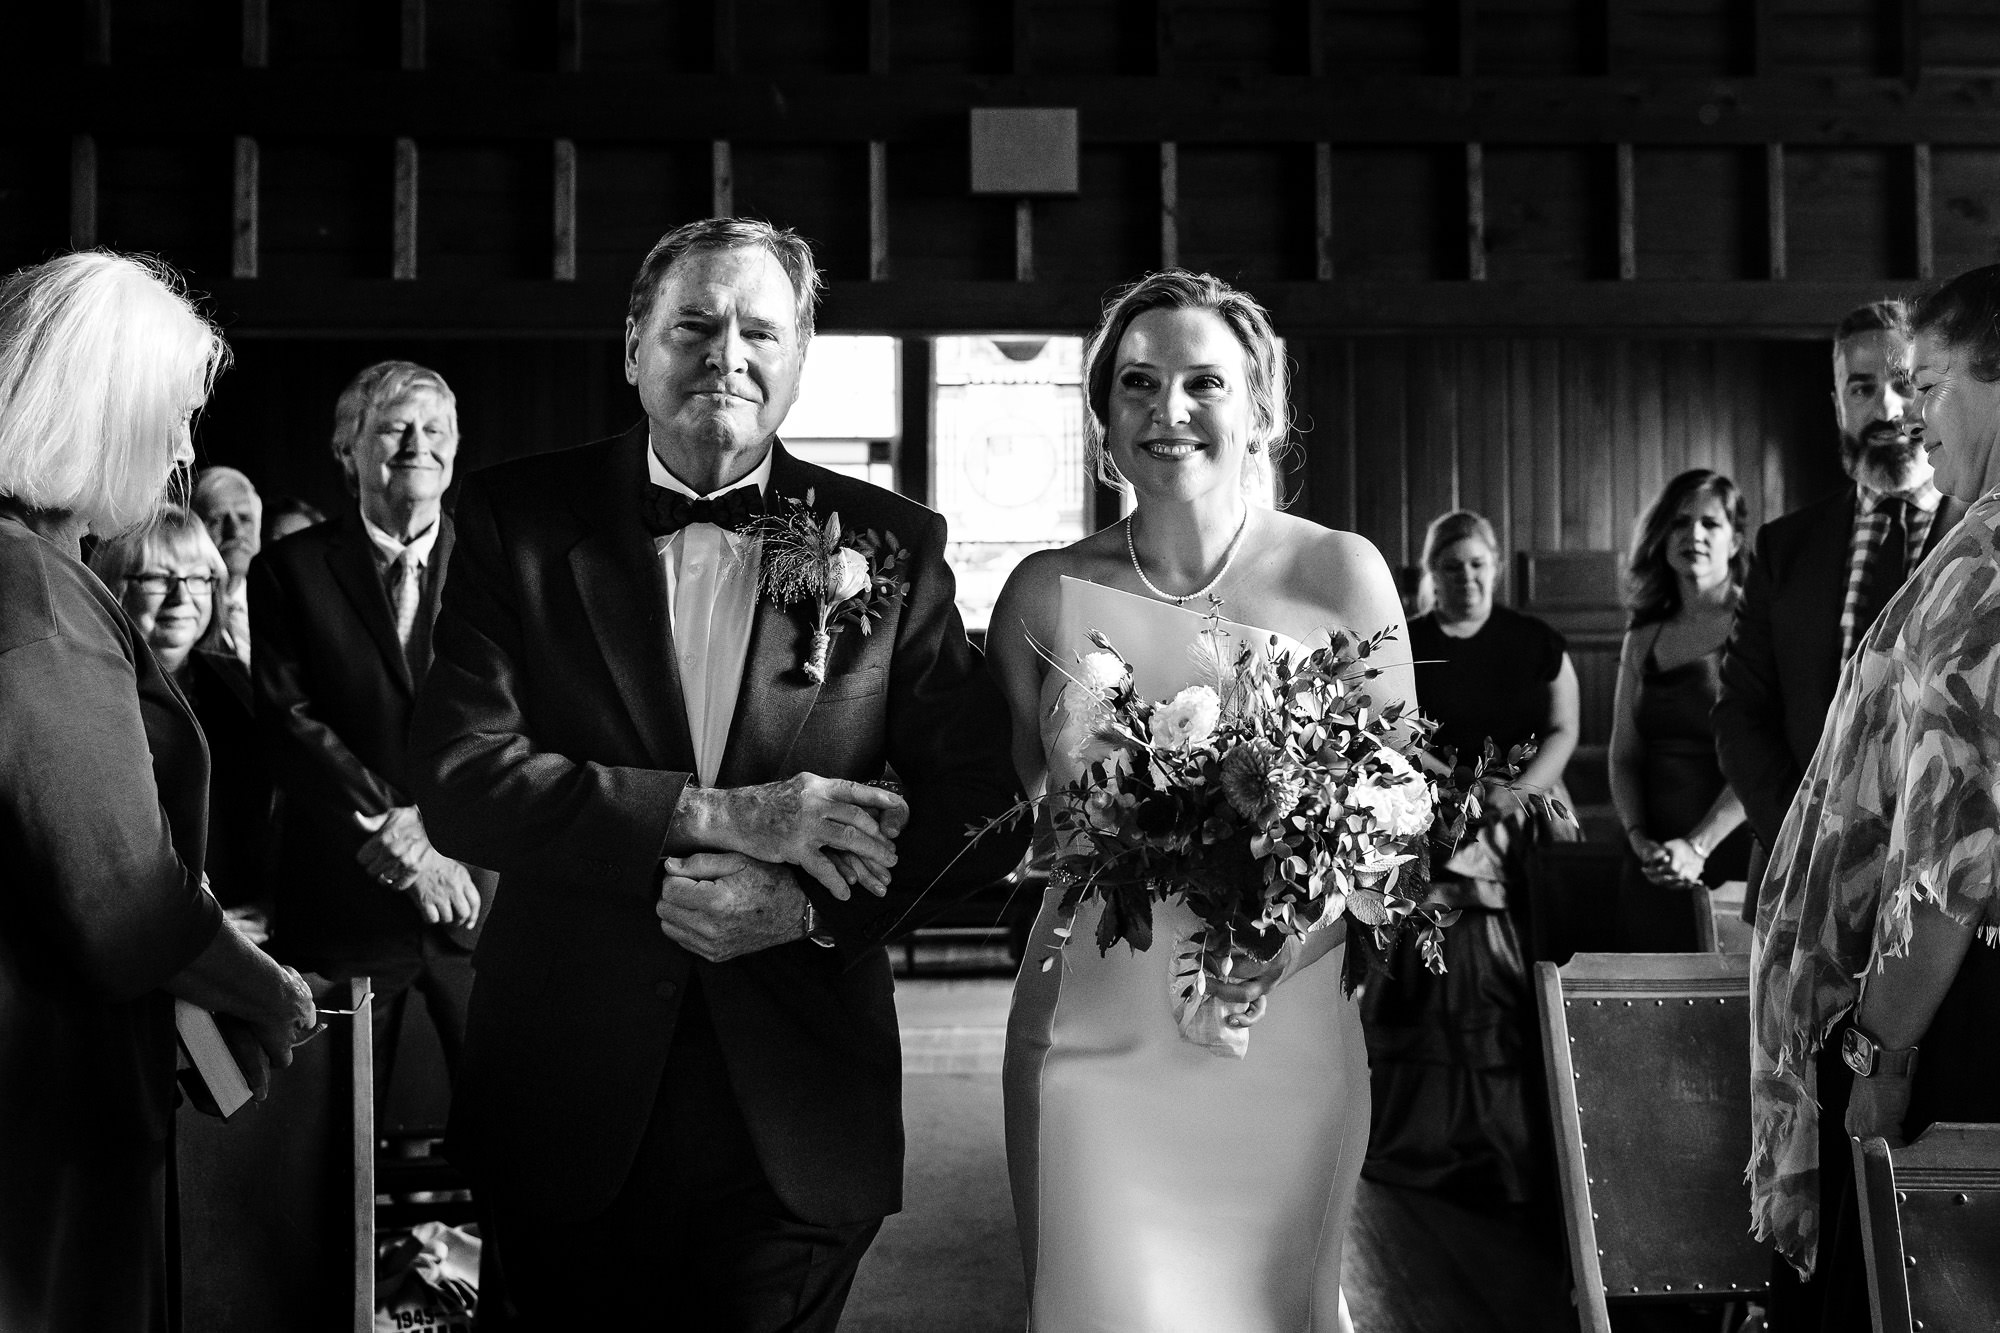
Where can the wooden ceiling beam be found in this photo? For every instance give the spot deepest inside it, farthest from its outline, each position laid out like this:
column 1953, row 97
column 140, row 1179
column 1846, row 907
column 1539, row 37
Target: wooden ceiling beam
column 616, row 106
column 275, row 307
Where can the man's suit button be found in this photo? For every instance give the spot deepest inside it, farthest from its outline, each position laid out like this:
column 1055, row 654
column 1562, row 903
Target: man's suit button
column 666, row 990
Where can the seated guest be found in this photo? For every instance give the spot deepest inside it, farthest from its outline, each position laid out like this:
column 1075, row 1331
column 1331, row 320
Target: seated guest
column 1684, row 827
column 168, row 576
column 103, row 777
column 288, row 514
column 229, row 505
column 1883, row 868
column 342, row 613
column 1453, row 1057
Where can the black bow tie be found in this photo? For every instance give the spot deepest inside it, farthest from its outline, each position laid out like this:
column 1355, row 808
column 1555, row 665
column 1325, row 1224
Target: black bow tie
column 667, row 511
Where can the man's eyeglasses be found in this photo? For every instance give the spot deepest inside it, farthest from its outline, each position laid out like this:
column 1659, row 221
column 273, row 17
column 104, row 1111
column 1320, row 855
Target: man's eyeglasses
column 158, row 585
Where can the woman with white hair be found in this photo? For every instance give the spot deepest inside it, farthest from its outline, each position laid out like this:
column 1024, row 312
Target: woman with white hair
column 103, row 785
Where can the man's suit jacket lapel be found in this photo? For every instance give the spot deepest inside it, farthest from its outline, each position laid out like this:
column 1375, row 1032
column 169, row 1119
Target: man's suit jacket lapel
column 350, row 558
column 776, row 695
column 624, row 592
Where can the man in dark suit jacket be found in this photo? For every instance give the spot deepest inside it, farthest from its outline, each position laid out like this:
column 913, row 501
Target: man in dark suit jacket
column 342, row 615
column 1799, row 619
column 681, row 1090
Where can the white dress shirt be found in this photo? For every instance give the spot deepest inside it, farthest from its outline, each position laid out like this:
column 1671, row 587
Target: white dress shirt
column 712, row 600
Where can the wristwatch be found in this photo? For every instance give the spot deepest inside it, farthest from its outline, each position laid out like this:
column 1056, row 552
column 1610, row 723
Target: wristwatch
column 810, row 922
column 1868, row 1057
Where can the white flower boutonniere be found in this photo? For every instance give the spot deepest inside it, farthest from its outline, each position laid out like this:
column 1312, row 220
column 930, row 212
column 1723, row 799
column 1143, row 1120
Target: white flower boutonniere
column 849, row 576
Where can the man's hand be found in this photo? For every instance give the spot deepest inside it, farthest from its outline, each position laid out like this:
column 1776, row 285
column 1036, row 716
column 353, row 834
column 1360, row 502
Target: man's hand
column 722, row 905
column 795, row 822
column 444, row 892
column 397, row 853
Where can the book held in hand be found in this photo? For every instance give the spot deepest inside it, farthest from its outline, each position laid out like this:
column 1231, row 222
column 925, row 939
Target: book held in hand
column 213, row 1080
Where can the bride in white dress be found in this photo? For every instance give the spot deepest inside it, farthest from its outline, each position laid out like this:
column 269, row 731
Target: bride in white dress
column 1158, row 1186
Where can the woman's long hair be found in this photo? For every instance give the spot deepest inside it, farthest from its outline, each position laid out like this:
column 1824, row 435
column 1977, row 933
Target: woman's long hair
column 1652, row 589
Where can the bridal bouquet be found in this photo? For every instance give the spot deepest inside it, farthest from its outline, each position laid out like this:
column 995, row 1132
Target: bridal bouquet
column 1273, row 797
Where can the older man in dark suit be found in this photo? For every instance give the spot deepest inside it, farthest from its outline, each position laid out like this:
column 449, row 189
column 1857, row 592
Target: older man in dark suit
column 681, row 1092
column 1820, row 576
column 342, row 616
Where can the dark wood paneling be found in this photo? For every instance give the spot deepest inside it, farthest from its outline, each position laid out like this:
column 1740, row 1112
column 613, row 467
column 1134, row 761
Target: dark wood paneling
column 325, row 209
column 1247, row 213
column 484, row 212
column 835, row 107
column 628, row 196
column 1864, row 189
column 167, row 197
column 1965, row 186
column 489, row 34
column 345, row 34
column 1548, row 214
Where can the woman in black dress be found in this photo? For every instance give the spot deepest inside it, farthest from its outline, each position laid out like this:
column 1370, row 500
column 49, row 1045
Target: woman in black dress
column 170, row 579
column 1684, row 827
column 1453, row 1056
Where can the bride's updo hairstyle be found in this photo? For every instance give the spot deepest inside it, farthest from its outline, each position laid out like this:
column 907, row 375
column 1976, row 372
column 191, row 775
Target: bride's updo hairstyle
column 1178, row 289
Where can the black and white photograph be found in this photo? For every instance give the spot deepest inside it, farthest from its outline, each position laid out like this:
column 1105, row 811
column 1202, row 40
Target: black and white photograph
column 1000, row 666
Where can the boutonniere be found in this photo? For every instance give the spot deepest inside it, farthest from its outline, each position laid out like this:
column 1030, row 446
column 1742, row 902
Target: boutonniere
column 849, row 576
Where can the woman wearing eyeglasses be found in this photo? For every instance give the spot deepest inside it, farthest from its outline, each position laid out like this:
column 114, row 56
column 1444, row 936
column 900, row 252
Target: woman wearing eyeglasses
column 169, row 577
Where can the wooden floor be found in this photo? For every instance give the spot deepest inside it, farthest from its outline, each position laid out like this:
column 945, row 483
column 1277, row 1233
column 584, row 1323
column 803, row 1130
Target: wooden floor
column 948, row 1263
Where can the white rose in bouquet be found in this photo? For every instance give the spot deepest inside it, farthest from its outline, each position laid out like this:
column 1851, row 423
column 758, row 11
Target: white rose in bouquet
column 1187, row 719
column 846, row 574
column 1395, row 797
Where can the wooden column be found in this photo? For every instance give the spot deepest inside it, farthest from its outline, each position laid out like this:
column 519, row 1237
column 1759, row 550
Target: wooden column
column 244, row 241
column 1323, row 212
column 1170, row 205
column 721, row 160
column 403, row 241
column 1024, row 240
column 562, row 260
column 82, row 191
column 878, row 149
column 1628, row 215
column 1774, row 209
column 721, row 180
column 403, row 234
column 878, row 211
column 1926, row 220
column 913, row 450
column 562, row 175
column 256, row 34
column 96, row 32
column 414, row 26
column 1475, row 212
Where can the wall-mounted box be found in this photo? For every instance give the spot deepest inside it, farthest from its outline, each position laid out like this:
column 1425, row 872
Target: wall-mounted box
column 1023, row 151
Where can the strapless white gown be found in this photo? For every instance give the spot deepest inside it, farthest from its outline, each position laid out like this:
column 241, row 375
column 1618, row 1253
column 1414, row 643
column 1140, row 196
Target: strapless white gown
column 1159, row 1187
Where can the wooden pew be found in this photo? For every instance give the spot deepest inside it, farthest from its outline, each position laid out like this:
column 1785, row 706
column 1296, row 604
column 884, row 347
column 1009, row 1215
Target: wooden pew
column 1930, row 1228
column 277, row 1207
column 1649, row 1088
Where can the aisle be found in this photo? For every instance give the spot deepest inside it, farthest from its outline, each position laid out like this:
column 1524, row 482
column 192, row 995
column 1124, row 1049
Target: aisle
column 948, row 1263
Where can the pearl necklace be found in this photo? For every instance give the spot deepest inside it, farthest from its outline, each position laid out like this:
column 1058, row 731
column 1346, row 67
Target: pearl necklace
column 1242, row 526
